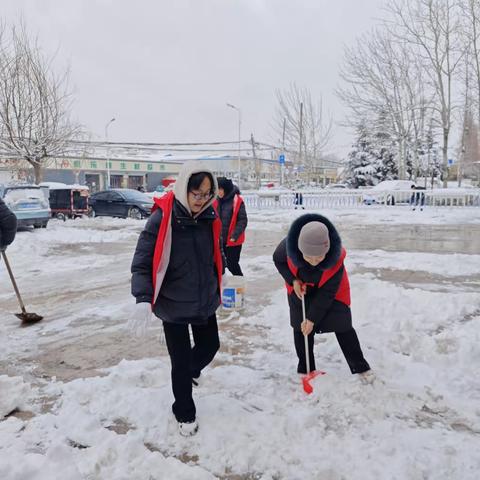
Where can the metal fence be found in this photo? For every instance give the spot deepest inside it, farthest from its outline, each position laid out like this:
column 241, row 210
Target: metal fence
column 362, row 198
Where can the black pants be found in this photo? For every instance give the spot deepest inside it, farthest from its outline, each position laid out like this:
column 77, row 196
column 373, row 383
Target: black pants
column 188, row 362
column 348, row 342
column 233, row 257
column 417, row 198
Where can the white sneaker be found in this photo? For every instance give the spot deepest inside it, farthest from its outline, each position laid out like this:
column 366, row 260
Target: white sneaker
column 188, row 429
column 367, row 378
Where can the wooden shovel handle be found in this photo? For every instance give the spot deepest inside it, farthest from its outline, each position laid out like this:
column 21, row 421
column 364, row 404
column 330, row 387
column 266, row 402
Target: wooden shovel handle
column 307, row 356
column 14, row 283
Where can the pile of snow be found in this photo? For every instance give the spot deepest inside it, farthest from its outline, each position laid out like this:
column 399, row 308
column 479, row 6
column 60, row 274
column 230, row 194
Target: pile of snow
column 14, row 395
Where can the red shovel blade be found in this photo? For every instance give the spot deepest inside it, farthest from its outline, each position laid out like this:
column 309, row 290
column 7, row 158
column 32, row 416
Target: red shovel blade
column 307, row 388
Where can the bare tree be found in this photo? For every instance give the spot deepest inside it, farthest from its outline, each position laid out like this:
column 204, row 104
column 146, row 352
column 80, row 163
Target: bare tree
column 382, row 75
column 301, row 122
column 471, row 17
column 433, row 28
column 34, row 103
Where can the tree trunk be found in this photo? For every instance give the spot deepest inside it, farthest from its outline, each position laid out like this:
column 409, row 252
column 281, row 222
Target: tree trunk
column 402, row 159
column 445, row 157
column 38, row 171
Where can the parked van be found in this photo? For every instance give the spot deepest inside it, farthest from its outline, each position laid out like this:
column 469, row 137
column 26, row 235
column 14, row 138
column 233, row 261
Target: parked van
column 29, row 203
column 67, row 201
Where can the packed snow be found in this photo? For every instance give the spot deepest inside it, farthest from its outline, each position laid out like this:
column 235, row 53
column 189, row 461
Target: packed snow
column 80, row 398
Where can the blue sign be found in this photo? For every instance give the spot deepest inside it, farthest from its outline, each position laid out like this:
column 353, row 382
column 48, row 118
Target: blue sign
column 281, row 159
column 450, row 161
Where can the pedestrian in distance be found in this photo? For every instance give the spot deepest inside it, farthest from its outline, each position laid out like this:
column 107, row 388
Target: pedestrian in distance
column 8, row 226
column 298, row 200
column 417, row 199
column 232, row 212
column 311, row 261
column 177, row 273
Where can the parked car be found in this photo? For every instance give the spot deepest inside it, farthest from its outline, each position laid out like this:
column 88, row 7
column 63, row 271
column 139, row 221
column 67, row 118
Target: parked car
column 120, row 202
column 384, row 192
column 336, row 186
column 29, row 203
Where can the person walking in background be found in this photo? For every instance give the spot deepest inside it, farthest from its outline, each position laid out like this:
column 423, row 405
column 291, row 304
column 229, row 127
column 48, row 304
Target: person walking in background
column 232, row 212
column 298, row 200
column 310, row 259
column 177, row 272
column 417, row 198
column 8, row 226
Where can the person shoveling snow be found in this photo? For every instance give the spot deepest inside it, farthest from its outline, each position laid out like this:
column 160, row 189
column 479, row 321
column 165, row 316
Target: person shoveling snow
column 311, row 261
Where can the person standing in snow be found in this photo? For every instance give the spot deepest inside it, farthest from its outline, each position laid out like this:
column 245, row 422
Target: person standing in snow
column 8, row 226
column 310, row 259
column 298, row 200
column 417, row 198
column 231, row 210
column 177, row 273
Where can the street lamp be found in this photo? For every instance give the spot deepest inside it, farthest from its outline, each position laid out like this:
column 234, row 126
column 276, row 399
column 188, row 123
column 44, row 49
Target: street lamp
column 239, row 138
column 108, row 152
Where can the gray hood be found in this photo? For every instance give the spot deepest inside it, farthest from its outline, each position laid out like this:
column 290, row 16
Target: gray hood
column 180, row 190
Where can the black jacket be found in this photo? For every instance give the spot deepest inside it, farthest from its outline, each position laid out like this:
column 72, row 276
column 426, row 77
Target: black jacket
column 328, row 314
column 8, row 225
column 225, row 212
column 189, row 292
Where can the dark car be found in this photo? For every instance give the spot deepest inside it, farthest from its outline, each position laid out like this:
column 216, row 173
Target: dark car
column 120, row 202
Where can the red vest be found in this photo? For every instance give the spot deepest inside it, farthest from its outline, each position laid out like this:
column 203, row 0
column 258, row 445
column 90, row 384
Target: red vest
column 237, row 203
column 343, row 292
column 165, row 203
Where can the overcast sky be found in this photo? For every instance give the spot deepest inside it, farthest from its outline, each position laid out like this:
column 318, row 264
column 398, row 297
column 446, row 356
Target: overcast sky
column 166, row 68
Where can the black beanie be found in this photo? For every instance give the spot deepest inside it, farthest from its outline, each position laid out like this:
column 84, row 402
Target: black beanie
column 225, row 183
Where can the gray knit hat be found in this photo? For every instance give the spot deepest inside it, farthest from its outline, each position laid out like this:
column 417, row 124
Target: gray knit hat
column 313, row 240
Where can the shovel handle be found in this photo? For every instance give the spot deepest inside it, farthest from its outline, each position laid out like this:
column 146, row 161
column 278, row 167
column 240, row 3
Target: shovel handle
column 14, row 283
column 307, row 356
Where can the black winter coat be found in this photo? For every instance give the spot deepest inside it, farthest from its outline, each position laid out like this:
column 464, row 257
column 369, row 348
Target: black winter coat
column 8, row 225
column 189, row 292
column 225, row 212
column 328, row 314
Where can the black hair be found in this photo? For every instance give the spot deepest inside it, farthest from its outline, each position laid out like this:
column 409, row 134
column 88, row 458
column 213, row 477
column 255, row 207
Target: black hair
column 196, row 180
column 225, row 183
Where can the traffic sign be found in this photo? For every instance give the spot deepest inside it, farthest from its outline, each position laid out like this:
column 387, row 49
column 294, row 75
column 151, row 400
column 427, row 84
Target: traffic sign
column 281, row 159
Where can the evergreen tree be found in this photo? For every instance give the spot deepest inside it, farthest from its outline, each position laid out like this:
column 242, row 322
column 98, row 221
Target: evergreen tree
column 372, row 158
column 360, row 167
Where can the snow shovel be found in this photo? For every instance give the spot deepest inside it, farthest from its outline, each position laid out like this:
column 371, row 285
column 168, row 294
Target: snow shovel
column 24, row 316
column 307, row 388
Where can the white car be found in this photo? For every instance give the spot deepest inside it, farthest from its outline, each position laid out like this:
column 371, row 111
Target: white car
column 384, row 192
column 336, row 186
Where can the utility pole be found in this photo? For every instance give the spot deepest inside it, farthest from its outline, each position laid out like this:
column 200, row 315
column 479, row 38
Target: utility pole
column 108, row 152
column 282, row 166
column 239, row 140
column 257, row 163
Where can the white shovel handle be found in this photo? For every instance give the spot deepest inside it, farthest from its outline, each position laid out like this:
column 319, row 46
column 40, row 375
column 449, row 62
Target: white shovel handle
column 307, row 356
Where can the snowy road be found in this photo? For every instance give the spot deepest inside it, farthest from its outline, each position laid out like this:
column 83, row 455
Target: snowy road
column 95, row 403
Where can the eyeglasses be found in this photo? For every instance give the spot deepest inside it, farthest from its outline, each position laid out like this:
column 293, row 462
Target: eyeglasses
column 201, row 196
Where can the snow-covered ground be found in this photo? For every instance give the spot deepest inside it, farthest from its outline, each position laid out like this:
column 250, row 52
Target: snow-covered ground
column 91, row 402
